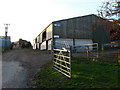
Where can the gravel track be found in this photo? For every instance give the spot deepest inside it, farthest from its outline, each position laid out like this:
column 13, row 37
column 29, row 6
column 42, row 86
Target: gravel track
column 20, row 65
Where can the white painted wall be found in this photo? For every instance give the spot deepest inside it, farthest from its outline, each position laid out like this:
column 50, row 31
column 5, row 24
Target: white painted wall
column 37, row 45
column 59, row 42
column 34, row 46
column 49, row 32
column 62, row 41
column 49, row 44
column 43, row 45
column 38, row 39
column 78, row 42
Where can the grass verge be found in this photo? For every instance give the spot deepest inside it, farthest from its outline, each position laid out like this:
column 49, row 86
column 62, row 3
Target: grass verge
column 85, row 74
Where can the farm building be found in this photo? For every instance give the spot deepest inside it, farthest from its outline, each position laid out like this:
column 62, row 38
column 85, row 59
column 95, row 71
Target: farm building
column 75, row 31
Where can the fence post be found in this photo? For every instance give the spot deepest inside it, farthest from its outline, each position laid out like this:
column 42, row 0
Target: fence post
column 118, row 56
column 102, row 49
column 70, row 51
column 53, row 55
column 87, row 51
column 97, row 50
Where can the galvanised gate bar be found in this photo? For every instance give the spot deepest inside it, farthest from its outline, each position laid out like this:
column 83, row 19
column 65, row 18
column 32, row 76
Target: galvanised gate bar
column 62, row 61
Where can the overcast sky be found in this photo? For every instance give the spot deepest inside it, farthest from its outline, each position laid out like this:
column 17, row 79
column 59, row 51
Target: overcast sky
column 27, row 18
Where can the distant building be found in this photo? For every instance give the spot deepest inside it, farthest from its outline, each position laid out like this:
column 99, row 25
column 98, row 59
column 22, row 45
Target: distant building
column 5, row 42
column 74, row 31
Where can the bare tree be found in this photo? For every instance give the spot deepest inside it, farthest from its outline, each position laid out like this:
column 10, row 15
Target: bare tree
column 110, row 10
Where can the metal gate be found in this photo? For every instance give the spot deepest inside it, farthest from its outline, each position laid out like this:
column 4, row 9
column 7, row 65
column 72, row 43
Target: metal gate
column 62, row 61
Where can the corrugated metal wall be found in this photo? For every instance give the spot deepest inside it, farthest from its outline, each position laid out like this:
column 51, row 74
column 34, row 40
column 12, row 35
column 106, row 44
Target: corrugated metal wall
column 85, row 27
column 101, row 34
column 80, row 28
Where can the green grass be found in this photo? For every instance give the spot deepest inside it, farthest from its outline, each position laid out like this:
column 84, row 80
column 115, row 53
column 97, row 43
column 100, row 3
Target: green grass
column 85, row 74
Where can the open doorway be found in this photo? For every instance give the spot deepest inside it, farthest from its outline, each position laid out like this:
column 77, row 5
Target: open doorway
column 44, row 36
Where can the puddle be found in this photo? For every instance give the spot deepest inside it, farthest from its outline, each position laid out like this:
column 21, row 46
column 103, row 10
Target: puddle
column 13, row 75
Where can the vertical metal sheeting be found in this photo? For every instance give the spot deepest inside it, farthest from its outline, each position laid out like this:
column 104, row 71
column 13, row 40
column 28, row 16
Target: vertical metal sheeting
column 5, row 42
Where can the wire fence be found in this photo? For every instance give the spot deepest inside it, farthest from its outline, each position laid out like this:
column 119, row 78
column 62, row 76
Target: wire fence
column 88, row 50
column 108, row 53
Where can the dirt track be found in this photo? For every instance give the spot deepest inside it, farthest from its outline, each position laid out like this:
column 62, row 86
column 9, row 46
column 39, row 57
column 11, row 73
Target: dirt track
column 20, row 65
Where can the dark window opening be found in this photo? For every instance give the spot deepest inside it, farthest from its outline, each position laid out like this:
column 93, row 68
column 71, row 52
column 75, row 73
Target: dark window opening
column 36, row 40
column 44, row 36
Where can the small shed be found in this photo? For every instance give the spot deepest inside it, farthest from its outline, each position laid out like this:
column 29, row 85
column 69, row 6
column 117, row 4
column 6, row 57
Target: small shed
column 5, row 42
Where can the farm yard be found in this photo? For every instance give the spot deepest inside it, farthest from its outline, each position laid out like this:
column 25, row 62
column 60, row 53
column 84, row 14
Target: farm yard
column 75, row 46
